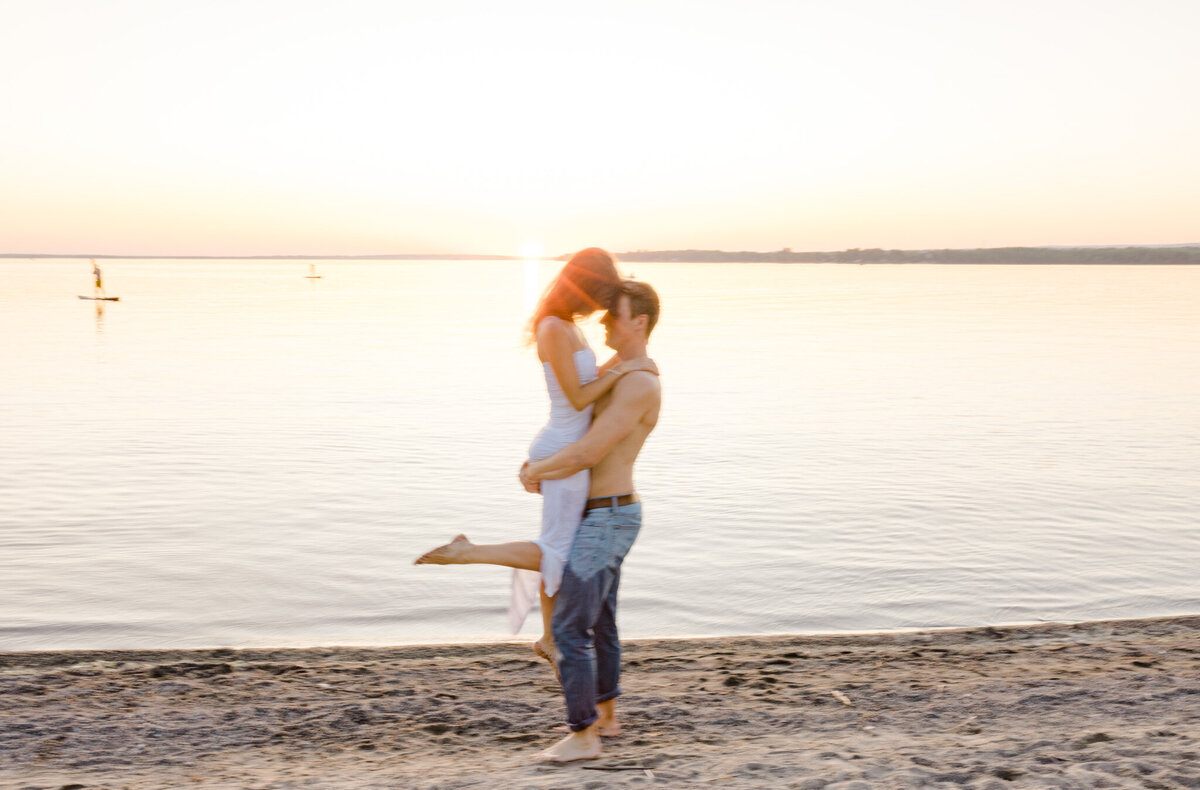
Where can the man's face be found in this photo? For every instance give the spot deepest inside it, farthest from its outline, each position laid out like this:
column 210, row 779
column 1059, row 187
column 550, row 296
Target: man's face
column 618, row 325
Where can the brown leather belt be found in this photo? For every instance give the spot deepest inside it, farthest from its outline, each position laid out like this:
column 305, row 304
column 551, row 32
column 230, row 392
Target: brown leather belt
column 595, row 503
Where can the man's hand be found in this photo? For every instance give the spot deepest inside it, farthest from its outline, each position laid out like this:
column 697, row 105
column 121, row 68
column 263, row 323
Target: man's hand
column 531, row 485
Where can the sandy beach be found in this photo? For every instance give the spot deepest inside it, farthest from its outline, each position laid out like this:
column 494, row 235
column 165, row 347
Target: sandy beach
column 1091, row 705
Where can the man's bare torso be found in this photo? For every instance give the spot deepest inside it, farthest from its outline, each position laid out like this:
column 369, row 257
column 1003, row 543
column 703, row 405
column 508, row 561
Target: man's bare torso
column 614, row 474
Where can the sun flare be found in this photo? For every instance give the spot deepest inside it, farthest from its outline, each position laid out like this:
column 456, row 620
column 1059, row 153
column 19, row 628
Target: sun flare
column 532, row 251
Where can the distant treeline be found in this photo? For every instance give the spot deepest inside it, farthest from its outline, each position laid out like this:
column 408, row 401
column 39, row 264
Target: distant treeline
column 1111, row 255
column 1182, row 254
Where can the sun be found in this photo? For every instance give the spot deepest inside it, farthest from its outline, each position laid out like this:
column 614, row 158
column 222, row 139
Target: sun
column 532, row 251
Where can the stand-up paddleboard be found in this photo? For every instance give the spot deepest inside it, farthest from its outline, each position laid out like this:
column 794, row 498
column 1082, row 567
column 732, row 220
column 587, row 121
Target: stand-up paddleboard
column 101, row 298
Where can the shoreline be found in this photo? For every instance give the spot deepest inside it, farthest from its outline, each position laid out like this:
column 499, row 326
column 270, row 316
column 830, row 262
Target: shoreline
column 510, row 641
column 1109, row 703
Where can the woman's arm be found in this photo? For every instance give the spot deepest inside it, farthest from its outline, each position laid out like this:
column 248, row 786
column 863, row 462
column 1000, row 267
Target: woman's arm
column 612, row 362
column 554, row 341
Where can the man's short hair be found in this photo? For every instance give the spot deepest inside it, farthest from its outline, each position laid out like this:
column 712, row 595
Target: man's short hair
column 643, row 300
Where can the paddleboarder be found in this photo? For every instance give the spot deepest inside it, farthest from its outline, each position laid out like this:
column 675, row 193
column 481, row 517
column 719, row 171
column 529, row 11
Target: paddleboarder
column 98, row 293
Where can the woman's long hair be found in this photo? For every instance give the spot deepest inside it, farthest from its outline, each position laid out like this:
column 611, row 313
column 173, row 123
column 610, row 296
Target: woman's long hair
column 587, row 283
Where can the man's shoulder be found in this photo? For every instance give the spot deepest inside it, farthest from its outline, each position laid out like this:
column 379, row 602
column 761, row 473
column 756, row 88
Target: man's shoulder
column 639, row 385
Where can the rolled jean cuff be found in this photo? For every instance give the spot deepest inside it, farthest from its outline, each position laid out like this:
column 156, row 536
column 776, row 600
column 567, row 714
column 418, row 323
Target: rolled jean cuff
column 588, row 722
column 610, row 695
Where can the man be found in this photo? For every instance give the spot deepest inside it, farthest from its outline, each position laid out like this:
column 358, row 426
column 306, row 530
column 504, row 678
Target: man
column 585, row 624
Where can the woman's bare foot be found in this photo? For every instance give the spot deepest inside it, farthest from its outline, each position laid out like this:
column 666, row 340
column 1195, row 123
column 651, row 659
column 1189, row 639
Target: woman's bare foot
column 607, row 725
column 583, row 745
column 450, row 554
column 545, row 650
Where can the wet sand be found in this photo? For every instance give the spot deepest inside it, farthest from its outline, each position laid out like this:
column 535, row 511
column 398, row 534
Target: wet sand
column 1090, row 705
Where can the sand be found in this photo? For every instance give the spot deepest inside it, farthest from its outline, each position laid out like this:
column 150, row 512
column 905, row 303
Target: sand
column 1091, row 705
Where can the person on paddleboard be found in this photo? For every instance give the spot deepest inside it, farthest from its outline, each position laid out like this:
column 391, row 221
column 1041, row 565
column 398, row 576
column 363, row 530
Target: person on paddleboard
column 98, row 293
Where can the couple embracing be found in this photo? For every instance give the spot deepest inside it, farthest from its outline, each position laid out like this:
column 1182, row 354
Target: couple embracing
column 582, row 465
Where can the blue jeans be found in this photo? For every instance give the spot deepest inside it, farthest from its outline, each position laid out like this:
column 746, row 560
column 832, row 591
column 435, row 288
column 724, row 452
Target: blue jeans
column 585, row 611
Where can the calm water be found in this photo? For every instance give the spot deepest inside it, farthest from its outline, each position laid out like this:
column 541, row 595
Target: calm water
column 236, row 455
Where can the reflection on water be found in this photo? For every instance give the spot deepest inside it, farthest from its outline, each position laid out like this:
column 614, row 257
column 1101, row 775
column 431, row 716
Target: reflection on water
column 244, row 455
column 99, row 316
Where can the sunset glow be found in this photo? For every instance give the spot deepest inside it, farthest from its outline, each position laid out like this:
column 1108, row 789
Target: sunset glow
column 371, row 127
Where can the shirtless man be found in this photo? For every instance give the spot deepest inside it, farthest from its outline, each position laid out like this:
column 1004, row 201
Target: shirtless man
column 585, row 623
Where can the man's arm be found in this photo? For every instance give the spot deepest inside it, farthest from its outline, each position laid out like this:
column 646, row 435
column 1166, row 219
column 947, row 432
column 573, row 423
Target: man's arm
column 631, row 398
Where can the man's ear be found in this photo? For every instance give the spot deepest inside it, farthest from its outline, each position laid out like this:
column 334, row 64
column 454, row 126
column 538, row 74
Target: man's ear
column 641, row 321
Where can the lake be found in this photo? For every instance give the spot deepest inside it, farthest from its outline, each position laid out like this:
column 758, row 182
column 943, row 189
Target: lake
column 237, row 455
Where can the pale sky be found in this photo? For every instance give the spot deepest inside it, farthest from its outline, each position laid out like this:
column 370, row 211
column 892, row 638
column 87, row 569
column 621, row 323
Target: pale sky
column 249, row 127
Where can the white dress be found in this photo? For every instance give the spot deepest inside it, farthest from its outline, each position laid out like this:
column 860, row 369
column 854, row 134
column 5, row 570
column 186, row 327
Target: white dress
column 562, row 500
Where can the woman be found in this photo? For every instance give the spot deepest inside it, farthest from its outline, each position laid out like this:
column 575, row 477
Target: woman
column 587, row 283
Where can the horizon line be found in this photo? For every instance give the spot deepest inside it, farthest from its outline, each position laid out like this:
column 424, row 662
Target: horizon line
column 490, row 256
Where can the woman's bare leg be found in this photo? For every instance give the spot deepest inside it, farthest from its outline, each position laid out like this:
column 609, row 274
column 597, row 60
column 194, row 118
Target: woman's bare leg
column 523, row 554
column 544, row 646
column 547, row 618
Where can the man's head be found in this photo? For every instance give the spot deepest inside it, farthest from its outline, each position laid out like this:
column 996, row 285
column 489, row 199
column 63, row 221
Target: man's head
column 632, row 316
